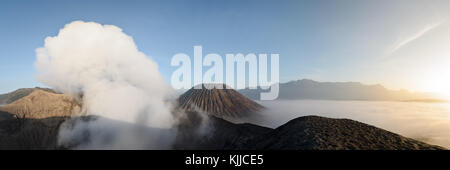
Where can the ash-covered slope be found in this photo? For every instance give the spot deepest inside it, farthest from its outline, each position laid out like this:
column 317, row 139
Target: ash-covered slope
column 222, row 103
column 20, row 93
column 310, row 89
column 43, row 104
column 320, row 133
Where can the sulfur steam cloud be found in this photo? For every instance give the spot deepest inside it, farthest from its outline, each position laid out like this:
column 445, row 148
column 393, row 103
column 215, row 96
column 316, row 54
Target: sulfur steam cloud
column 113, row 79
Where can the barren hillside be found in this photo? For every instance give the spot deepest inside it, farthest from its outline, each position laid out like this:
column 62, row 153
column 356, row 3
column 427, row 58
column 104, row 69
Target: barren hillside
column 43, row 104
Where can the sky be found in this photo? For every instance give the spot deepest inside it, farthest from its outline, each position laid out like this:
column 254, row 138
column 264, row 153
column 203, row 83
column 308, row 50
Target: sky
column 401, row 44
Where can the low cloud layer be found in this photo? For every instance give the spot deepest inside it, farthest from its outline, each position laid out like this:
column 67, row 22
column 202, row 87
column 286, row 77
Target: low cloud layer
column 428, row 122
column 102, row 66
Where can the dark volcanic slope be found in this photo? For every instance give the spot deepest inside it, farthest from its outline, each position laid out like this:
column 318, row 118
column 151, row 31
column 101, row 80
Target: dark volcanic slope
column 29, row 133
column 303, row 133
column 215, row 133
column 222, row 103
column 319, row 133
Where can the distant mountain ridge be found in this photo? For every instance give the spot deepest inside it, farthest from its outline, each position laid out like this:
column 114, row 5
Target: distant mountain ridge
column 310, row 89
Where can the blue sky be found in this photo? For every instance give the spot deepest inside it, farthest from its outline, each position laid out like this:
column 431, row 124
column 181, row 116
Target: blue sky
column 395, row 43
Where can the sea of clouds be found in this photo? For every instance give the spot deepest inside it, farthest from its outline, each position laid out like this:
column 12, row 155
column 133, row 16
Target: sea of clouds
column 428, row 122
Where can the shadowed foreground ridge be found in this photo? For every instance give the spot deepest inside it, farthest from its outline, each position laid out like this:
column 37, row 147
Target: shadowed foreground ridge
column 303, row 133
column 320, row 133
column 222, row 103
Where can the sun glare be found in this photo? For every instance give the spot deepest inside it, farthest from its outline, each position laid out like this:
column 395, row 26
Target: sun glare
column 439, row 83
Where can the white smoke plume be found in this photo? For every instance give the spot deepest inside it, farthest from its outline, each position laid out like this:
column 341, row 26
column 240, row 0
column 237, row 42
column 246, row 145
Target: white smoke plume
column 116, row 82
